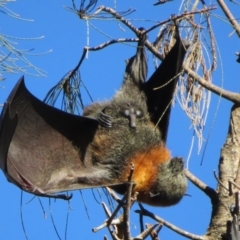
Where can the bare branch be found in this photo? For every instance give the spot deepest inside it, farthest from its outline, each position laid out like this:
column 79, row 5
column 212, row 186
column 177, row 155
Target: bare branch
column 154, row 233
column 105, row 224
column 234, row 184
column 127, row 205
column 231, row 96
column 119, row 40
column 210, row 192
column 218, row 180
column 137, row 31
column 145, row 212
column 147, row 232
column 120, row 18
column 174, row 18
column 230, row 17
column 113, row 194
column 213, row 48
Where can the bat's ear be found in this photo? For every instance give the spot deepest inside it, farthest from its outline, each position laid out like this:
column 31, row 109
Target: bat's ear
column 160, row 87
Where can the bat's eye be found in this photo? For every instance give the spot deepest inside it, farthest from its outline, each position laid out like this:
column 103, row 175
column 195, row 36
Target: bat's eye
column 138, row 113
column 126, row 113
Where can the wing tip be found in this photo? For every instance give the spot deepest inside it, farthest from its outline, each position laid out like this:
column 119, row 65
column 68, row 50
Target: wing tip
column 7, row 122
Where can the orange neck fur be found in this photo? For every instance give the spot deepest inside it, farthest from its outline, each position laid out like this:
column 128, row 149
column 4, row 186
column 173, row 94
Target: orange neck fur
column 146, row 167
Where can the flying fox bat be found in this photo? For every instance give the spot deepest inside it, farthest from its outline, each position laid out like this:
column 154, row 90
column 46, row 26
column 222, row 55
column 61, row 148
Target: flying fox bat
column 45, row 151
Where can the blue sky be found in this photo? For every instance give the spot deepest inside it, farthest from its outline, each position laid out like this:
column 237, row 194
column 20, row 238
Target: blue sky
column 66, row 35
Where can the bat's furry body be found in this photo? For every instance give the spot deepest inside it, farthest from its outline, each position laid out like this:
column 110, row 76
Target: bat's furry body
column 159, row 179
column 44, row 150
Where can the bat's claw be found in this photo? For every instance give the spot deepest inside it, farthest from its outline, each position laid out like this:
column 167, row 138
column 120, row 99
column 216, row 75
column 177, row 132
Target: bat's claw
column 57, row 196
column 105, row 120
column 65, row 197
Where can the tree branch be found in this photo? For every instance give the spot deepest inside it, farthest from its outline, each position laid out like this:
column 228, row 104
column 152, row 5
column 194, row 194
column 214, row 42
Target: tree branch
column 233, row 97
column 230, row 17
column 145, row 212
column 176, row 17
column 210, row 192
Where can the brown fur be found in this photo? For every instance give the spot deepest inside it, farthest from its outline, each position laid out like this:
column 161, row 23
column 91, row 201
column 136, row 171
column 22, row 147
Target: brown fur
column 146, row 166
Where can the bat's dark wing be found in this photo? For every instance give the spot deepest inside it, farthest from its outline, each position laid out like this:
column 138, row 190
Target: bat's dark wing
column 42, row 149
column 164, row 79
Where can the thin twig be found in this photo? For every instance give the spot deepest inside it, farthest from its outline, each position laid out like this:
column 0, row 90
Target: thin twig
column 21, row 215
column 229, row 15
column 127, row 205
column 218, row 180
column 212, row 40
column 113, row 194
column 237, row 203
column 235, row 185
column 137, row 31
column 146, row 232
column 44, row 212
column 231, row 96
column 237, row 179
column 106, row 224
column 52, row 219
column 120, row 18
column 84, row 204
column 141, row 222
column 230, row 188
column 154, row 233
column 174, row 18
column 120, row 204
column 145, row 212
column 113, row 41
column 67, row 219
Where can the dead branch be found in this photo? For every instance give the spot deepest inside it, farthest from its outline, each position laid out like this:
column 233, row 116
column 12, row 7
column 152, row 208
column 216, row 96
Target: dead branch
column 177, row 17
column 106, row 44
column 230, row 17
column 231, row 96
column 146, row 232
column 127, row 205
column 120, row 18
column 122, row 223
column 145, row 212
column 154, row 233
column 210, row 192
column 137, row 31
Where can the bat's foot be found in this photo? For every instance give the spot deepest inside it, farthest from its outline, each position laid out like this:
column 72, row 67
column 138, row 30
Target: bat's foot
column 57, row 196
column 105, row 120
column 63, row 196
